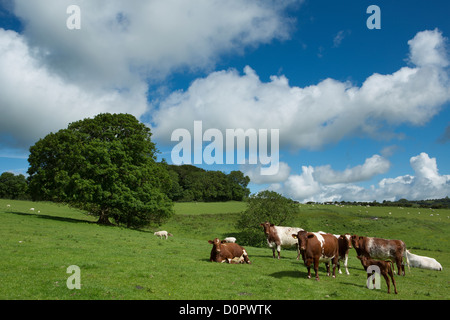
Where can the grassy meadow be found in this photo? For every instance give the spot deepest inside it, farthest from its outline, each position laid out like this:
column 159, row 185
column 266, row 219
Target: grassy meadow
column 36, row 247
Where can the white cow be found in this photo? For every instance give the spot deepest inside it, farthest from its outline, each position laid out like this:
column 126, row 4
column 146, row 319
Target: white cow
column 278, row 237
column 162, row 234
column 422, row 262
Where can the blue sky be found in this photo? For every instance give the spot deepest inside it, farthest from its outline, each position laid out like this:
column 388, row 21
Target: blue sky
column 362, row 114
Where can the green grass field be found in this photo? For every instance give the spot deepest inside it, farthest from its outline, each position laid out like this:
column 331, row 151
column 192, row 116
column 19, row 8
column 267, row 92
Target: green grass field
column 37, row 247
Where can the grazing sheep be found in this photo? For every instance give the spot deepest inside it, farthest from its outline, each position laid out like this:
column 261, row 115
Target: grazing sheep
column 229, row 240
column 162, row 234
column 31, row 209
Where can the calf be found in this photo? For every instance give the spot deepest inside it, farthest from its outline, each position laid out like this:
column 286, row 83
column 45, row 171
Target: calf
column 318, row 247
column 383, row 249
column 417, row 261
column 227, row 252
column 385, row 269
column 278, row 237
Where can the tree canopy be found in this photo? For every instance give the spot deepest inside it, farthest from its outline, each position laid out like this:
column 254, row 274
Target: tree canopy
column 105, row 165
column 13, row 186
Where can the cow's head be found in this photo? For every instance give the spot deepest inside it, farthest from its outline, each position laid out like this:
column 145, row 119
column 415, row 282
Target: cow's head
column 355, row 241
column 216, row 244
column 301, row 236
column 266, row 225
column 347, row 237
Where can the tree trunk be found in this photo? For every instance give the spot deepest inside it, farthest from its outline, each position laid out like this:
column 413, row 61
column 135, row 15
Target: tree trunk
column 103, row 219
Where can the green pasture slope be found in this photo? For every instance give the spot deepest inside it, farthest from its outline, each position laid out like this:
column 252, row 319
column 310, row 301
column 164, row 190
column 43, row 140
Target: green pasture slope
column 37, row 247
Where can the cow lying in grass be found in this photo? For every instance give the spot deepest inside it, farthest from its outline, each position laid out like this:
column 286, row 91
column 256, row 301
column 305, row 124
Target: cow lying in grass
column 227, row 252
column 386, row 268
column 423, row 262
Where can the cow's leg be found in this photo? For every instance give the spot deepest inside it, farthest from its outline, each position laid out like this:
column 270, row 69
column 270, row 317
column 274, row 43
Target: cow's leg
column 327, row 264
column 298, row 251
column 393, row 281
column 346, row 264
column 308, row 266
column 399, row 265
column 316, row 268
column 279, row 251
column 273, row 251
column 335, row 262
column 339, row 266
column 386, row 278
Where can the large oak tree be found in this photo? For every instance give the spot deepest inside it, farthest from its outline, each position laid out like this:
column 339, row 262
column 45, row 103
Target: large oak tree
column 105, row 165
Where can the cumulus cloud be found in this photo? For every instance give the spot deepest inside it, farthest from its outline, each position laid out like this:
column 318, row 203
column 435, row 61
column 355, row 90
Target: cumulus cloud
column 426, row 183
column 371, row 167
column 52, row 75
column 121, row 39
column 314, row 116
column 35, row 101
column 254, row 173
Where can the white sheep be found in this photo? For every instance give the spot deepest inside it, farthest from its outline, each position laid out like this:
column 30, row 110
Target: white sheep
column 230, row 240
column 162, row 234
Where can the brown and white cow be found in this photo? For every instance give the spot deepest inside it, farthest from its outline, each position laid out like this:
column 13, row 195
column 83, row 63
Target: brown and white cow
column 278, row 237
column 382, row 249
column 318, row 247
column 227, row 252
column 385, row 269
column 345, row 243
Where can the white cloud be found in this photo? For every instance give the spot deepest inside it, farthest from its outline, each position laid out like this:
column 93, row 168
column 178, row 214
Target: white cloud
column 426, row 183
column 34, row 101
column 120, row 40
column 52, row 75
column 254, row 173
column 314, row 116
column 428, row 48
column 372, row 166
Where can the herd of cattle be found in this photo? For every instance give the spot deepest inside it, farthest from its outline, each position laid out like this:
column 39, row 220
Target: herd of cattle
column 316, row 247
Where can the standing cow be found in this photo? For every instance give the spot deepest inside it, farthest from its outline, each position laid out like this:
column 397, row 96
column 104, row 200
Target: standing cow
column 227, row 252
column 345, row 244
column 318, row 247
column 381, row 249
column 278, row 237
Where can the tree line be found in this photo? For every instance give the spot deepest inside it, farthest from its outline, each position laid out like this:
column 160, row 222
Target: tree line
column 443, row 203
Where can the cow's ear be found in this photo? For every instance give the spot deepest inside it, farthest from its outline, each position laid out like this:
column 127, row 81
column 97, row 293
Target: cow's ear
column 310, row 236
column 222, row 241
column 210, row 241
column 272, row 225
column 294, row 236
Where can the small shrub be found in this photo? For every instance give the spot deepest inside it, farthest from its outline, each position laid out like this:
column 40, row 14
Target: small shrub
column 264, row 206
